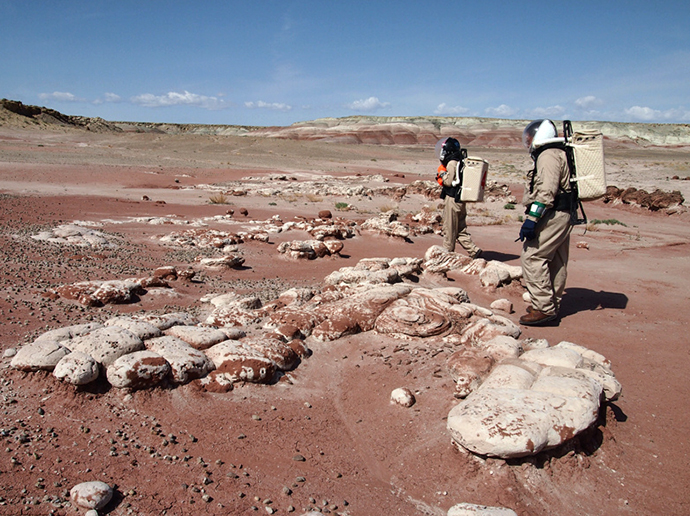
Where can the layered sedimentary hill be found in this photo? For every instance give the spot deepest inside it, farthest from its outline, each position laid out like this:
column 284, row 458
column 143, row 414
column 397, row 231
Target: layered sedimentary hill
column 471, row 131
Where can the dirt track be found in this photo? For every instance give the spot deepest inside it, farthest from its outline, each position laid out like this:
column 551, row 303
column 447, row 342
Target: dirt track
column 626, row 298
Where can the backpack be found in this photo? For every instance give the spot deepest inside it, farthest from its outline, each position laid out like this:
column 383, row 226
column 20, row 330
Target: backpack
column 585, row 151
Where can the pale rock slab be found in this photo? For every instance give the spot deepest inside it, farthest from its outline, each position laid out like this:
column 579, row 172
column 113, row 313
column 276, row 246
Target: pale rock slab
column 403, row 396
column 485, row 329
column 414, row 316
column 91, row 495
column 77, row 368
column 69, row 332
column 198, row 337
column 586, row 353
column 239, row 362
column 41, row 354
column 510, row 423
column 228, row 261
column 186, row 362
column 468, row 367
column 165, row 321
column 437, row 260
column 502, row 305
column 107, row 344
column 470, row 509
column 512, row 374
column 554, row 356
column 502, row 347
column 142, row 329
column 275, row 350
column 356, row 313
column 352, row 276
column 138, row 370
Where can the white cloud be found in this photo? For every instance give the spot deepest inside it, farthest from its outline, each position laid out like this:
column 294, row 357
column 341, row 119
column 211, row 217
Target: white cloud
column 111, row 97
column 173, row 98
column 643, row 113
column 276, row 106
column 501, row 111
column 370, row 104
column 60, row 96
column 647, row 114
column 445, row 109
column 588, row 102
column 547, row 112
column 108, row 97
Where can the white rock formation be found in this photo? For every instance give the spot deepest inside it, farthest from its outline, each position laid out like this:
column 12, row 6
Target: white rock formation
column 186, row 362
column 470, row 509
column 91, row 495
column 532, row 403
column 77, row 368
column 41, row 354
column 403, row 396
column 138, row 370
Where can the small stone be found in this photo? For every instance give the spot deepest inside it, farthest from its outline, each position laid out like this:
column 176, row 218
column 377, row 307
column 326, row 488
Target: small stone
column 91, row 495
column 403, row 397
column 299, row 458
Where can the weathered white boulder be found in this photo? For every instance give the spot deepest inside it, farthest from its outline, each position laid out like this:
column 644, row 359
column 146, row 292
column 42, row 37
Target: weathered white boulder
column 503, row 305
column 69, row 332
column 403, row 396
column 437, row 260
column 487, row 328
column 142, row 329
column 165, row 321
column 275, row 350
column 586, row 353
column 77, row 368
column 198, row 337
column 501, row 347
column 239, row 362
column 39, row 355
column 91, row 495
column 138, row 370
column 186, row 362
column 229, row 261
column 470, row 509
column 356, row 313
column 468, row 367
column 512, row 374
column 106, row 344
column 554, row 356
column 510, row 423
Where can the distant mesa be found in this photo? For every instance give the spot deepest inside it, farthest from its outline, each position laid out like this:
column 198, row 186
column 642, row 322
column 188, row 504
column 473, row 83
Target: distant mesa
column 373, row 130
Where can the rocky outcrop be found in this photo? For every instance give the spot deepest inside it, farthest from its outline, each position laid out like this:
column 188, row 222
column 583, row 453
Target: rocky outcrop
column 655, row 201
column 535, row 402
column 519, row 397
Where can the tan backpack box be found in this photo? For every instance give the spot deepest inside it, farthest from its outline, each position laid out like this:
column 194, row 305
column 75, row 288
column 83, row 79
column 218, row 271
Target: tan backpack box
column 474, row 179
column 588, row 154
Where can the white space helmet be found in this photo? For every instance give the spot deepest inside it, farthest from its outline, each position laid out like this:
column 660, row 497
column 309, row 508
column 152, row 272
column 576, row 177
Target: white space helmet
column 538, row 133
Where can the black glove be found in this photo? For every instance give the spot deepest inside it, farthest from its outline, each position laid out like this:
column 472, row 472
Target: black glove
column 527, row 231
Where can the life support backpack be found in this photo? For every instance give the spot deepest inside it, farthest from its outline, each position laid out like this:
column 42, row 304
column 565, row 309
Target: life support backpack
column 584, row 151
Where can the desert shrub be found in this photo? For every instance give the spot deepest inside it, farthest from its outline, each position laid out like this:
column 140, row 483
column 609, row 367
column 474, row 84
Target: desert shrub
column 609, row 222
column 342, row 206
column 509, row 206
column 219, row 198
column 386, row 208
column 313, row 197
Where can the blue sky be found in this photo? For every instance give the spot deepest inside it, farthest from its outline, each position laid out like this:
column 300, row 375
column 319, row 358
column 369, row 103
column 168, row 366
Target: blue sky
column 265, row 62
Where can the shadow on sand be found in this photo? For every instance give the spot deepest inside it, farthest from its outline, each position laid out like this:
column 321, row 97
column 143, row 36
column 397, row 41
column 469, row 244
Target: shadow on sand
column 582, row 299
